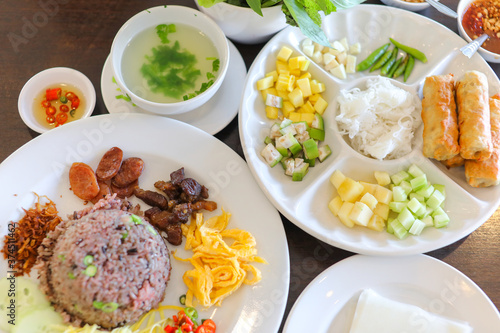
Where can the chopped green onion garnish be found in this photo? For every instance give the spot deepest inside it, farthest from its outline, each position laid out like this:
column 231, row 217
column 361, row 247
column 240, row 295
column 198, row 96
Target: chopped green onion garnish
column 88, row 260
column 124, row 235
column 71, row 275
column 91, row 270
column 110, row 307
column 98, row 304
column 62, row 257
column 151, row 230
column 136, row 219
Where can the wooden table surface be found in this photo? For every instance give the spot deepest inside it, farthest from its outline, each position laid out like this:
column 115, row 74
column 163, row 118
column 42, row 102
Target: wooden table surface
column 78, row 34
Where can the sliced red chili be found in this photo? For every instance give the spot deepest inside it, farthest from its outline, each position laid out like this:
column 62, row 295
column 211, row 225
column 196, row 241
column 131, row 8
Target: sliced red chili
column 70, row 95
column 186, row 328
column 61, row 118
column 50, row 119
column 169, row 329
column 53, row 94
column 75, row 102
column 64, row 108
column 210, row 324
column 50, row 111
column 45, row 103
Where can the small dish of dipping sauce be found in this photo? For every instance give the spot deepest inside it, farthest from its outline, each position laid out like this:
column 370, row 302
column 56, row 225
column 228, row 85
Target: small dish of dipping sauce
column 483, row 16
column 54, row 97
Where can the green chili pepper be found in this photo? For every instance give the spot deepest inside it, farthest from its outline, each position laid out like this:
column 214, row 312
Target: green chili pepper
column 88, row 260
column 182, row 299
column 109, row 307
column 191, row 313
column 400, row 70
column 90, row 271
column 372, row 58
column 411, row 51
column 394, row 67
column 409, row 67
column 392, row 60
column 382, row 61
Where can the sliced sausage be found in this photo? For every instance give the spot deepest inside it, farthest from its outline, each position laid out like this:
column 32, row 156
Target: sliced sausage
column 104, row 190
column 110, row 164
column 130, row 171
column 125, row 191
column 83, row 181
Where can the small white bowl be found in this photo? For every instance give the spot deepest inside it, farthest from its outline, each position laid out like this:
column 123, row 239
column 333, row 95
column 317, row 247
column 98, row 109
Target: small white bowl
column 43, row 80
column 413, row 6
column 169, row 15
column 487, row 55
column 243, row 25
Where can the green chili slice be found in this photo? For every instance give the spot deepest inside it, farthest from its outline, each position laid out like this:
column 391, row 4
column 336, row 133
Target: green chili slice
column 135, row 219
column 109, row 307
column 182, row 299
column 88, row 260
column 90, row 271
column 191, row 313
column 97, row 304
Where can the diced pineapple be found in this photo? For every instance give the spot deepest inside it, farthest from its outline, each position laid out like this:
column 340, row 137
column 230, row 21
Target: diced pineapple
column 313, row 98
column 305, row 86
column 281, row 67
column 282, row 82
column 304, row 64
column 272, row 112
column 345, row 44
column 337, row 178
column 376, row 223
column 320, row 105
column 369, row 200
column 294, row 116
column 333, row 51
column 338, row 46
column 283, row 94
column 291, row 83
column 307, row 42
column 307, row 117
column 295, row 72
column 360, row 214
column 284, row 54
column 305, row 75
column 317, row 87
column 287, row 108
column 342, row 57
column 293, row 63
column 332, row 64
column 350, row 190
column 335, row 204
column 368, row 188
column 383, row 194
column 327, row 58
column 271, row 91
column 318, row 47
column 265, row 83
column 344, row 213
column 307, row 108
column 317, row 57
column 296, row 97
column 274, row 74
column 339, row 71
column 382, row 210
column 383, row 178
column 350, row 64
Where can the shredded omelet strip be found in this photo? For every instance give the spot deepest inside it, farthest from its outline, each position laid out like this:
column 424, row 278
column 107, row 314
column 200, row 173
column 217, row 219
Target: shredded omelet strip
column 219, row 267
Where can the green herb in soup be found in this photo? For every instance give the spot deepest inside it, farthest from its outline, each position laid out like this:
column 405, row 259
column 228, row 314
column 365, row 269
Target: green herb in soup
column 170, row 63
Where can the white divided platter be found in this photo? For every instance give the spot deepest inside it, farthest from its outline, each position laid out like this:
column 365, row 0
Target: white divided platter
column 419, row 280
column 42, row 165
column 305, row 203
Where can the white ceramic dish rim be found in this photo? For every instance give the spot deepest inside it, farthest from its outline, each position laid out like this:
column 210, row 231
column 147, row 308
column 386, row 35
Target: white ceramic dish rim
column 218, row 39
column 376, row 245
column 204, row 157
column 215, row 114
column 420, row 280
column 413, row 6
column 53, row 75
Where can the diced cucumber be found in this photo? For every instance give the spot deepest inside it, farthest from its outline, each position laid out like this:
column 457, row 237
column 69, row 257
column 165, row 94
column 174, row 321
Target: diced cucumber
column 417, row 227
column 398, row 229
column 287, row 140
column 437, row 211
column 426, row 192
column 316, row 134
column 414, row 205
column 310, row 148
column 398, row 177
column 440, row 188
column 435, row 200
column 406, row 186
column 318, row 122
column 406, row 218
column 282, row 150
column 40, row 320
column 441, row 220
column 419, row 182
column 428, row 221
column 396, row 206
column 285, row 123
column 271, row 155
column 300, row 170
column 417, row 196
column 415, row 171
column 398, row 194
column 302, row 137
column 311, row 162
column 324, row 152
column 389, row 225
column 301, row 127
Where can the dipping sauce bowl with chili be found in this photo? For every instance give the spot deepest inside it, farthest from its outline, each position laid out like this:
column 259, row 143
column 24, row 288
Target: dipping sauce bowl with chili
column 54, row 97
column 476, row 17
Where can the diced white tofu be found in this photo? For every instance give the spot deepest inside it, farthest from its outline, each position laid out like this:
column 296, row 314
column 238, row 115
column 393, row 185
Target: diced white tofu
column 339, row 72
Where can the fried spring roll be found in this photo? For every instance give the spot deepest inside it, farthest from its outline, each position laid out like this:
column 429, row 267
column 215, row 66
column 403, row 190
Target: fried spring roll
column 487, row 173
column 439, row 116
column 474, row 116
column 454, row 162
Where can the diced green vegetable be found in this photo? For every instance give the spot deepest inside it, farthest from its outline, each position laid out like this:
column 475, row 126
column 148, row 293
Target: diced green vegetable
column 310, row 149
column 300, row 170
column 135, row 219
column 435, row 200
column 398, row 194
column 406, row 218
column 406, row 186
column 301, row 127
column 397, row 207
column 88, row 260
column 279, row 147
column 271, row 155
column 441, row 220
column 318, row 122
column 414, row 205
column 398, row 229
column 317, row 134
column 419, row 182
column 90, row 271
column 397, row 178
column 110, row 307
column 324, row 152
column 417, row 227
column 415, row 171
column 288, row 129
column 268, row 140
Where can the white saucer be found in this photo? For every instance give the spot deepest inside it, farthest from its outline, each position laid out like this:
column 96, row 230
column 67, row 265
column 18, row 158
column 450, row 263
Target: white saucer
column 212, row 117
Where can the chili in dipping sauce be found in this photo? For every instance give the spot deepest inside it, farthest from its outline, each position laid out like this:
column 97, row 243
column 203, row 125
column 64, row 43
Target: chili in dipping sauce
column 483, row 16
column 58, row 104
